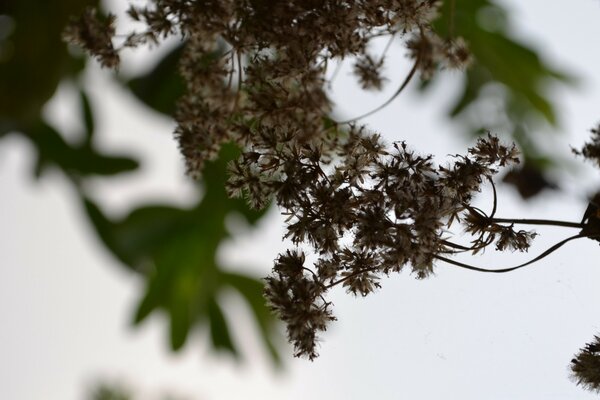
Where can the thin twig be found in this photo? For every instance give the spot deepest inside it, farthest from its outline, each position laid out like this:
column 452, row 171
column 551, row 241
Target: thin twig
column 495, row 198
column 523, row 221
column 503, row 270
column 400, row 89
column 476, row 210
column 461, row 247
column 332, row 284
column 387, row 47
column 336, row 71
column 526, row 221
column 230, row 80
column 237, row 95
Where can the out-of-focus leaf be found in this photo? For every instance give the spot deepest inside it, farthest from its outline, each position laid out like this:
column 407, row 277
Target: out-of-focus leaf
column 219, row 329
column 104, row 228
column 83, row 160
column 135, row 239
column 175, row 250
column 29, row 75
column 37, row 60
column 500, row 59
column 181, row 318
column 110, row 392
column 88, row 117
column 215, row 176
column 162, row 86
column 528, row 179
column 476, row 78
column 251, row 290
column 517, row 67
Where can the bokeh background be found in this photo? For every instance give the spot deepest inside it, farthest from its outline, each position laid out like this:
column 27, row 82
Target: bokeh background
column 88, row 296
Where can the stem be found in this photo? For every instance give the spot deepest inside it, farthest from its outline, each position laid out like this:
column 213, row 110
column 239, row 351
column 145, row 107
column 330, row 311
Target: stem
column 461, row 247
column 230, row 80
column 239, row 88
column 336, row 71
column 387, row 47
column 332, row 284
column 400, row 89
column 494, row 208
column 503, row 270
column 537, row 222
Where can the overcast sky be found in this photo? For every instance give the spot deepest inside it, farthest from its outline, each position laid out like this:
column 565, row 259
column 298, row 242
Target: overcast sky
column 65, row 303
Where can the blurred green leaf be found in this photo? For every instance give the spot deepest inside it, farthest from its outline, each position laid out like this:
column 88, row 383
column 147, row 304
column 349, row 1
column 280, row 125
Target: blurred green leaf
column 252, row 292
column 219, row 329
column 38, row 59
column 53, row 150
column 31, row 72
column 88, row 117
column 516, row 67
column 175, row 250
column 476, row 78
column 104, row 227
column 137, row 236
column 160, row 88
column 498, row 58
column 110, row 392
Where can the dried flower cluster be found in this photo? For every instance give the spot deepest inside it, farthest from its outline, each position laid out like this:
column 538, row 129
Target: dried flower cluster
column 259, row 64
column 369, row 213
column 591, row 150
column 94, row 34
column 586, row 365
column 255, row 75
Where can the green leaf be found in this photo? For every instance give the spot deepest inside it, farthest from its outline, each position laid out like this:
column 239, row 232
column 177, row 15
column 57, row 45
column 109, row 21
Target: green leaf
column 31, row 73
column 251, row 289
column 498, row 58
column 175, row 249
column 83, row 160
column 160, row 88
column 145, row 230
column 516, row 67
column 88, row 117
column 104, row 228
column 215, row 177
column 476, row 78
column 219, row 329
column 181, row 320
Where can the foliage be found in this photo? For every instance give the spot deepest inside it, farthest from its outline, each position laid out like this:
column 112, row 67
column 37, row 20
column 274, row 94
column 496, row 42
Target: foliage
column 175, row 249
column 117, row 391
column 520, row 89
column 172, row 249
column 110, row 392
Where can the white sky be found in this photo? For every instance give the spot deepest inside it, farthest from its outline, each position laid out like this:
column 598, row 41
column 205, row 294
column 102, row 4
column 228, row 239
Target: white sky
column 65, row 305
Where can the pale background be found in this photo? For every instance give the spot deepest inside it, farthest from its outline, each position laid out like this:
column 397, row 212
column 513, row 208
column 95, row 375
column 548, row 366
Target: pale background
column 65, row 305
